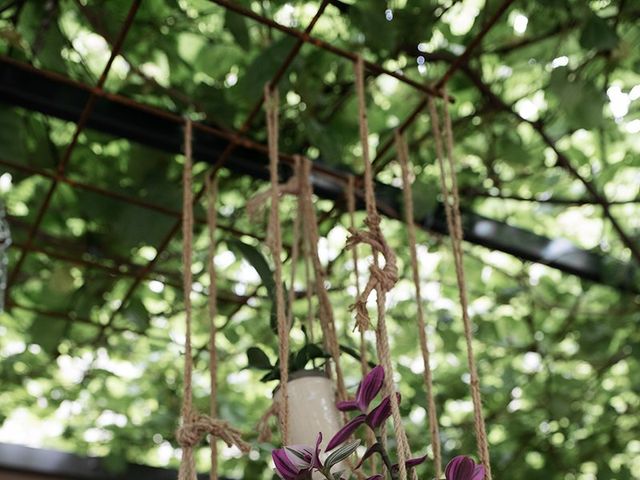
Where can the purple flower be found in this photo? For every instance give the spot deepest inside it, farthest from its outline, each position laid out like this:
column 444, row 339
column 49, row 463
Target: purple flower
column 379, row 415
column 345, row 432
column 367, row 391
column 412, row 462
column 295, row 462
column 464, row 468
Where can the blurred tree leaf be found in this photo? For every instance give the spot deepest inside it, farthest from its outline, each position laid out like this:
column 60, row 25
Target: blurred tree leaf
column 256, row 358
column 598, row 35
column 48, row 333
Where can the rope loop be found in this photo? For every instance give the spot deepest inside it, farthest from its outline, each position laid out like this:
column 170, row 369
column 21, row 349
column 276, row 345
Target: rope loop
column 197, row 425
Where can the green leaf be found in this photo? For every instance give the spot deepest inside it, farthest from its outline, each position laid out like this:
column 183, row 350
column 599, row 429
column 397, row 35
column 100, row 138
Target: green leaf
column 47, row 333
column 217, row 60
column 270, row 376
column 581, row 101
column 354, row 354
column 238, row 27
column 256, row 358
column 12, row 141
column 137, row 315
column 250, row 87
column 598, row 35
column 510, row 148
column 257, row 260
column 307, row 353
column 341, row 453
column 424, row 199
column 369, row 16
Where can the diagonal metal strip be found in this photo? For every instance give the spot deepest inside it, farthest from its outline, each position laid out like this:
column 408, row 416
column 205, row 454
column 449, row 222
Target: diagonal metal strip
column 306, row 38
column 64, row 160
column 233, row 144
column 378, row 162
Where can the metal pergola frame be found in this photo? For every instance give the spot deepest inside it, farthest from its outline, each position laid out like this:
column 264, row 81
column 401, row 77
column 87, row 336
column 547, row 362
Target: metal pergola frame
column 24, row 86
column 90, row 106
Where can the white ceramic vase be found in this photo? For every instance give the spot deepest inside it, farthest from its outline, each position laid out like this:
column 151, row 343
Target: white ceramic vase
column 312, row 409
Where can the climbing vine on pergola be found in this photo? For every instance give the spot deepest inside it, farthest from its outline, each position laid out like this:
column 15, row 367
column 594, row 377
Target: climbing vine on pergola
column 94, row 203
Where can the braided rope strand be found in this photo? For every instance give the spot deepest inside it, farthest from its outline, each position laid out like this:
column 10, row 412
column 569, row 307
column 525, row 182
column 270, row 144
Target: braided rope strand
column 274, row 239
column 403, row 156
column 452, row 210
column 212, row 220
column 381, row 280
column 195, row 426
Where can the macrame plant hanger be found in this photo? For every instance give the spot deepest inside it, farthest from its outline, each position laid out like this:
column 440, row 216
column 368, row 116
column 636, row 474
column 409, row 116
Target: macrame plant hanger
column 403, row 157
column 364, row 365
column 306, row 219
column 381, row 279
column 194, row 426
column 298, row 184
column 451, row 200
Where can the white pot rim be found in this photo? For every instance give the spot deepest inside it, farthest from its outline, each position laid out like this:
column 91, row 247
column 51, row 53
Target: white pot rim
column 303, row 374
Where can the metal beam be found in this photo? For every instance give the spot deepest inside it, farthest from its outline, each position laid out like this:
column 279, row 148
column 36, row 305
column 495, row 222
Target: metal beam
column 24, row 86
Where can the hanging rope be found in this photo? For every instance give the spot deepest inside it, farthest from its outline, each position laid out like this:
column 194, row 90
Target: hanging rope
column 194, row 425
column 364, row 367
column 351, row 208
column 274, row 240
column 299, row 184
column 381, row 279
column 403, row 157
column 451, row 201
column 327, row 322
column 295, row 252
column 309, row 288
column 212, row 220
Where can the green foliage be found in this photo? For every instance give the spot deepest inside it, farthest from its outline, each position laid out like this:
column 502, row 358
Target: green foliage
column 598, row 35
column 298, row 361
column 558, row 357
column 238, row 27
column 580, row 101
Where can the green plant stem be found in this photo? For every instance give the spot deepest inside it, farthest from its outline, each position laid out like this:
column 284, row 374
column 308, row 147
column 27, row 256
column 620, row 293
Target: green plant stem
column 327, row 475
column 385, row 458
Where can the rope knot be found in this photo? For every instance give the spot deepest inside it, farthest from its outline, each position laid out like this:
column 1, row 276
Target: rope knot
column 373, row 221
column 385, row 277
column 195, row 426
column 381, row 279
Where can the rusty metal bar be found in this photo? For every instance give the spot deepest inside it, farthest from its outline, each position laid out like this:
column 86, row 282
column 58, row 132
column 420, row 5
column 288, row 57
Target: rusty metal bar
column 219, row 163
column 74, row 141
column 274, row 81
column 125, row 270
column 305, row 37
column 378, row 163
column 122, row 197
